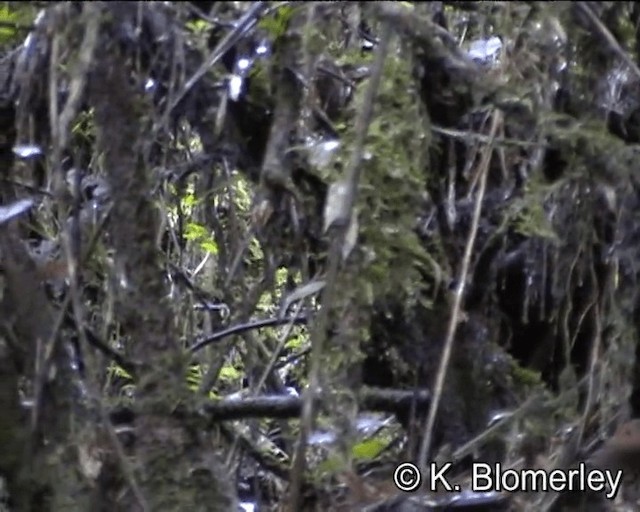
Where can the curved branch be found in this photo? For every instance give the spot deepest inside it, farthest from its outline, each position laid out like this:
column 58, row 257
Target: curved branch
column 249, row 326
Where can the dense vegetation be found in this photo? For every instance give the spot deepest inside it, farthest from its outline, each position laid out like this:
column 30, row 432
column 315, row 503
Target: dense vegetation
column 264, row 252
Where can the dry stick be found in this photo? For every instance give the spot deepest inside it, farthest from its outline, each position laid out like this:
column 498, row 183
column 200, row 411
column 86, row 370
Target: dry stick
column 457, row 300
column 319, row 333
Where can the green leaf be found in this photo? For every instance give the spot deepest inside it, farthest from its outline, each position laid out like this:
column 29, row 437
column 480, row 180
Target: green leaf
column 198, row 26
column 210, row 246
column 120, row 372
column 194, row 376
column 195, row 231
column 369, row 449
column 189, row 201
column 229, row 373
column 294, row 343
column 16, row 17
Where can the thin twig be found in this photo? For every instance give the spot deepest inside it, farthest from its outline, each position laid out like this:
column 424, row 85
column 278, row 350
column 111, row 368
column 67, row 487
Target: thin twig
column 457, row 300
column 249, row 326
column 319, row 334
column 469, row 136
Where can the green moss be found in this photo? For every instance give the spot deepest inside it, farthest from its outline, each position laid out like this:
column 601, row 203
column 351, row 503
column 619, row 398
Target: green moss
column 525, row 377
column 392, row 184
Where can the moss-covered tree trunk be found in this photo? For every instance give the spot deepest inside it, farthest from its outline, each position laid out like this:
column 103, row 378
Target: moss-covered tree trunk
column 170, row 457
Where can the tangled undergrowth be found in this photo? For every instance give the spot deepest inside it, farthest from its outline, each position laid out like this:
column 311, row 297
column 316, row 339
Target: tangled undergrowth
column 423, row 210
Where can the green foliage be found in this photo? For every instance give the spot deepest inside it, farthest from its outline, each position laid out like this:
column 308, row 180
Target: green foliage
column 189, row 200
column 392, row 185
column 84, row 126
column 332, row 465
column 530, row 219
column 295, row 342
column 229, row 374
column 363, row 451
column 194, row 377
column 7, row 17
column 14, row 18
column 121, row 373
column 198, row 27
column 369, row 449
column 197, row 33
column 241, row 193
column 260, row 86
column 193, row 231
column 268, row 301
column 276, row 23
column 526, row 377
column 198, row 233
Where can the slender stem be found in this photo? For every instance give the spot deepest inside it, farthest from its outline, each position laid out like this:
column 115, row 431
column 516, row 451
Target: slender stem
column 423, row 456
column 319, row 333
